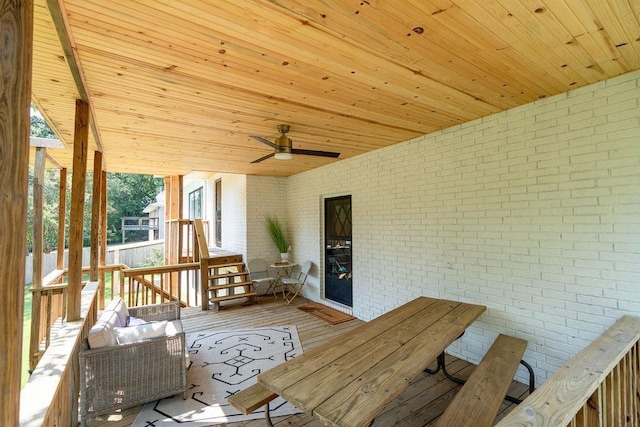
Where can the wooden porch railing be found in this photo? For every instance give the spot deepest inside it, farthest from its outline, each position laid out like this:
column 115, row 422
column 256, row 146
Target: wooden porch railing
column 154, row 285
column 50, row 397
column 179, row 243
column 47, row 304
column 109, row 274
column 596, row 388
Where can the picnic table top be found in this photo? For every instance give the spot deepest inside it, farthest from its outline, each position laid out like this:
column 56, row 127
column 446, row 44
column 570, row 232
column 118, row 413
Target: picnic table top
column 348, row 380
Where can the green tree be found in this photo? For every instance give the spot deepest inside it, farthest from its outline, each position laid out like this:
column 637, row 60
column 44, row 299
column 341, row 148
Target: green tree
column 40, row 128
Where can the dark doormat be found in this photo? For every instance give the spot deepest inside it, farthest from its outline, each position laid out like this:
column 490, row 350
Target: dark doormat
column 327, row 314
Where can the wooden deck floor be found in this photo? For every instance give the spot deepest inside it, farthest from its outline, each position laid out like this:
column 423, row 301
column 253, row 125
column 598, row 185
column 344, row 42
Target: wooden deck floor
column 419, row 405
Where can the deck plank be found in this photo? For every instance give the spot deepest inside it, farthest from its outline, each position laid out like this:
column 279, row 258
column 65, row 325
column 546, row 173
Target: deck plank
column 419, row 405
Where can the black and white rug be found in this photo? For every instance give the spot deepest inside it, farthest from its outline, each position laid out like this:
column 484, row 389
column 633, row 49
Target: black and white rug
column 221, row 363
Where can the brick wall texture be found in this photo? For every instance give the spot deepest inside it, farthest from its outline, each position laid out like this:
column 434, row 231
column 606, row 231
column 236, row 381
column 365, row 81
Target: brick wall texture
column 533, row 212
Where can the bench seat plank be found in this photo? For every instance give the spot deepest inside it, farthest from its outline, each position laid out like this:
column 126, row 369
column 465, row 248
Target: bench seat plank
column 479, row 400
column 251, row 398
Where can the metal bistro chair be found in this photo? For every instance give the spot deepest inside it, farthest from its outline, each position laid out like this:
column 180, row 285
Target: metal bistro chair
column 293, row 285
column 259, row 275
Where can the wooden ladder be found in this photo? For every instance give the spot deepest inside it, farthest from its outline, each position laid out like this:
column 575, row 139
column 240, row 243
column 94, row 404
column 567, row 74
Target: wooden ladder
column 229, row 282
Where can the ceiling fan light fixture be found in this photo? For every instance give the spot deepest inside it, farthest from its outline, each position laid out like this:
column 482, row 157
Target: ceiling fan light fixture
column 283, row 152
column 283, row 147
column 283, row 156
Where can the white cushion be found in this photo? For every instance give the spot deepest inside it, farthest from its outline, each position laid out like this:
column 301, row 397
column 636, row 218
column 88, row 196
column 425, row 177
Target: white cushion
column 135, row 321
column 173, row 328
column 121, row 309
column 102, row 334
column 131, row 334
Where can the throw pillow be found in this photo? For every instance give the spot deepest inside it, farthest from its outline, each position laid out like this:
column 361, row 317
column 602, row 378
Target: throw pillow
column 135, row 321
column 141, row 332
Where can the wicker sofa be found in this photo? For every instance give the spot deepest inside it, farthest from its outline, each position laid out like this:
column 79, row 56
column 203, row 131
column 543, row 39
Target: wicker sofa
column 123, row 366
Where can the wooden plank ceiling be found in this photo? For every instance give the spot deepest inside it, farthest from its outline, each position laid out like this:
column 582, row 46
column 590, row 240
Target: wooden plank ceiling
column 177, row 86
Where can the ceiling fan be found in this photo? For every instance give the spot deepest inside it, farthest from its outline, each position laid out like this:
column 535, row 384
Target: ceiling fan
column 283, row 149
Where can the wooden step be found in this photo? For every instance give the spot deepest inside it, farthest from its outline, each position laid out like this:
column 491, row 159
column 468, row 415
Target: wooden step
column 231, row 297
column 228, row 265
column 229, row 286
column 227, row 275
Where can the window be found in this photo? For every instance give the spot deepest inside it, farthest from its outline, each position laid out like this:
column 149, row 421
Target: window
column 219, row 213
column 195, row 204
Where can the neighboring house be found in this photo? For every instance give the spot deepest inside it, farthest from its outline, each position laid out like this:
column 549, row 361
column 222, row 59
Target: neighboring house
column 156, row 210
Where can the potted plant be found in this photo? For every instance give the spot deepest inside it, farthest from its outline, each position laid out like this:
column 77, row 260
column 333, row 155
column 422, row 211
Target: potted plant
column 277, row 235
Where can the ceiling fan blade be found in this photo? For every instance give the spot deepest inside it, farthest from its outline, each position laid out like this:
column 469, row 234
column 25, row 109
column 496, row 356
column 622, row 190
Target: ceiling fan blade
column 264, row 141
column 315, row 153
column 263, row 158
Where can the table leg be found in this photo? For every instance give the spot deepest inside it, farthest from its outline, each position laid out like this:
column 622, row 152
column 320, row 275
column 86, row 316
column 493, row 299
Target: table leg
column 443, row 367
column 276, row 283
column 267, row 415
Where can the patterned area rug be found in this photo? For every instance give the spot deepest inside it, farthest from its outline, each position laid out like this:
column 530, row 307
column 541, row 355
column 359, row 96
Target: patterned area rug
column 221, row 363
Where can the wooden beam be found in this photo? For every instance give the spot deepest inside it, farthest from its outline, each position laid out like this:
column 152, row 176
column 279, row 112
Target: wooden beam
column 62, row 215
column 16, row 44
column 95, row 216
column 38, row 214
column 76, row 217
column 58, row 17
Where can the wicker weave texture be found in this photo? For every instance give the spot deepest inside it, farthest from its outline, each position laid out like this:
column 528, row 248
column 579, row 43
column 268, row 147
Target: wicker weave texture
column 157, row 312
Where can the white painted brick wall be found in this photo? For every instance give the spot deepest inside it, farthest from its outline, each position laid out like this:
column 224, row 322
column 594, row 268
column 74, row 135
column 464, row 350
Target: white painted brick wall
column 265, row 196
column 533, row 212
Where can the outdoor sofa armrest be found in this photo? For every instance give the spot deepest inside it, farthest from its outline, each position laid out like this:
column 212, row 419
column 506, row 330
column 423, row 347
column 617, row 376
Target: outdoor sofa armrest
column 157, row 312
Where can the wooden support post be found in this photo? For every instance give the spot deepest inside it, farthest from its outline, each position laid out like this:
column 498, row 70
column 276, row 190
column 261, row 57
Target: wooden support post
column 38, row 254
column 103, row 239
column 16, row 27
column 173, row 212
column 38, row 214
column 62, row 214
column 175, row 207
column 167, row 219
column 80, row 147
column 95, row 216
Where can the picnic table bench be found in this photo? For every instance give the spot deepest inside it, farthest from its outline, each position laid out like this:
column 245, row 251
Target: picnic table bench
column 478, row 401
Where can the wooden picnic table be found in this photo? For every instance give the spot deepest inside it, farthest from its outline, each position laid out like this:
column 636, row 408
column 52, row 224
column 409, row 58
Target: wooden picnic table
column 350, row 379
